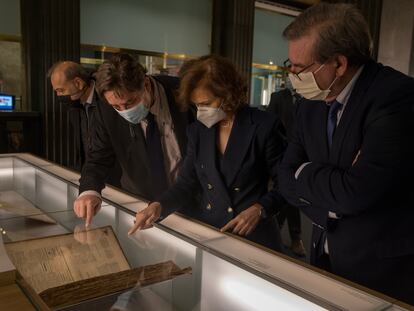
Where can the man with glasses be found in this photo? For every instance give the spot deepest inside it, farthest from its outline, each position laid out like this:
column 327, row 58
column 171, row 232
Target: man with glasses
column 349, row 165
column 139, row 125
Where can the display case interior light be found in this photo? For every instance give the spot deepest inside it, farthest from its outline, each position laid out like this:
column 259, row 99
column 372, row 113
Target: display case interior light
column 51, row 193
column 24, row 179
column 228, row 287
column 154, row 236
column 6, row 172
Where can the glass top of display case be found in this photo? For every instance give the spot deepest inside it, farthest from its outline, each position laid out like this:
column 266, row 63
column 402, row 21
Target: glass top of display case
column 179, row 264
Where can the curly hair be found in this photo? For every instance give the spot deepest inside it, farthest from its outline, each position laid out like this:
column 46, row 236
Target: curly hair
column 219, row 76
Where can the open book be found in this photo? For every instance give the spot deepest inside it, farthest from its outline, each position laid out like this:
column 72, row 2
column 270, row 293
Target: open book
column 64, row 271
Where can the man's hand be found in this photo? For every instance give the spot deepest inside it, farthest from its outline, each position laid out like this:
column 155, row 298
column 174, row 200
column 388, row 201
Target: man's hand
column 82, row 235
column 245, row 222
column 87, row 206
column 146, row 218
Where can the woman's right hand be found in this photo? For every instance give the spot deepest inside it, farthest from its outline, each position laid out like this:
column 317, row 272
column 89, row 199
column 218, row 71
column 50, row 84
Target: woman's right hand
column 146, row 218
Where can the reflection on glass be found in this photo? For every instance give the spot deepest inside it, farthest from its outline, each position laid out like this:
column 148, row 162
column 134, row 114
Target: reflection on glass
column 266, row 79
column 156, row 63
column 142, row 299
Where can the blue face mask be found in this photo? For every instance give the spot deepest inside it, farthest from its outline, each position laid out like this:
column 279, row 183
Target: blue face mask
column 135, row 114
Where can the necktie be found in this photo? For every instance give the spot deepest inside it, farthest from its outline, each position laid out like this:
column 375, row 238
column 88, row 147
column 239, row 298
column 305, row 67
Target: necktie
column 155, row 157
column 332, row 120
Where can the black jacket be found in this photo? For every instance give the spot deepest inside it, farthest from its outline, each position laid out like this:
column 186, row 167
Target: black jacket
column 248, row 163
column 283, row 104
column 83, row 122
column 81, row 129
column 373, row 241
column 117, row 139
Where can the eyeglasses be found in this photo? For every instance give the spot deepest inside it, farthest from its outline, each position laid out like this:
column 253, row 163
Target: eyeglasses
column 289, row 65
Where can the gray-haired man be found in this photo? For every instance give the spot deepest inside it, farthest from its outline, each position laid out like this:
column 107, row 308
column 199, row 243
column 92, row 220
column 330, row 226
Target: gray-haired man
column 349, row 165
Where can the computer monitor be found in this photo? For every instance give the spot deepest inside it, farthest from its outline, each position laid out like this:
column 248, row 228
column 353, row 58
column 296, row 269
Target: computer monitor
column 7, row 102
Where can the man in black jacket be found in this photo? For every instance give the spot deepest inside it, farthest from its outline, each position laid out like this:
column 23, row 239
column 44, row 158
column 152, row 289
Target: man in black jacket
column 75, row 88
column 350, row 166
column 141, row 126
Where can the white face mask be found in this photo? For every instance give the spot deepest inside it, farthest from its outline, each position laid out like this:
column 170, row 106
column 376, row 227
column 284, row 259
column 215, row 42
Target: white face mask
column 307, row 86
column 135, row 114
column 210, row 116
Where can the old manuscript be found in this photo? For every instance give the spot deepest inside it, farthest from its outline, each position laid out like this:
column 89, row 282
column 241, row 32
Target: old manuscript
column 58, row 260
column 71, row 268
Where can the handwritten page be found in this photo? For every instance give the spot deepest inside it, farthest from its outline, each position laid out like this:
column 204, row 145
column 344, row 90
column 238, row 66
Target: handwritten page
column 54, row 261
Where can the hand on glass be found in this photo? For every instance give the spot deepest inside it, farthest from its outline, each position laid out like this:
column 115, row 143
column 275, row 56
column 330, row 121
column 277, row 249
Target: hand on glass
column 245, row 222
column 146, row 218
column 82, row 235
column 86, row 207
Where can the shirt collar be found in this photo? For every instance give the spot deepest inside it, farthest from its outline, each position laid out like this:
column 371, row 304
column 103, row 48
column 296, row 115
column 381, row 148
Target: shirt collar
column 343, row 97
column 91, row 94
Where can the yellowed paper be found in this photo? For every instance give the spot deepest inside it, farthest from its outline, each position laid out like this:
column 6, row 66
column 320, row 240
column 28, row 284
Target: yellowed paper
column 53, row 261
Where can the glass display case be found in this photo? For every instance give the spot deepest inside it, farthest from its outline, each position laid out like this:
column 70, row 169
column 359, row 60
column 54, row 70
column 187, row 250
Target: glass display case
column 227, row 272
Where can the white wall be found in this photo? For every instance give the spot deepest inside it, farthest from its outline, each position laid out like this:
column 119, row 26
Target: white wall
column 396, row 35
column 268, row 43
column 175, row 26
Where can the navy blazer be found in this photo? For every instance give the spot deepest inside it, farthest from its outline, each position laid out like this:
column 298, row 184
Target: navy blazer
column 373, row 241
column 249, row 161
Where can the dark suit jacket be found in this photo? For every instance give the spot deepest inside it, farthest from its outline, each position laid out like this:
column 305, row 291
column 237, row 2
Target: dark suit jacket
column 80, row 129
column 283, row 104
column 249, row 161
column 117, row 139
column 83, row 124
column 373, row 241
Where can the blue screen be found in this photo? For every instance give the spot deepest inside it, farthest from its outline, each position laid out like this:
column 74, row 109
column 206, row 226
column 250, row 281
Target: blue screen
column 6, row 102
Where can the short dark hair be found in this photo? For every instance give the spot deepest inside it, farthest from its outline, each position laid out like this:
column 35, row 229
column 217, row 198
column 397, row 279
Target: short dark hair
column 121, row 72
column 218, row 75
column 339, row 28
column 72, row 70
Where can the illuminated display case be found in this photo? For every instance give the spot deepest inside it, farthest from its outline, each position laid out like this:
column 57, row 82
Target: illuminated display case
column 228, row 273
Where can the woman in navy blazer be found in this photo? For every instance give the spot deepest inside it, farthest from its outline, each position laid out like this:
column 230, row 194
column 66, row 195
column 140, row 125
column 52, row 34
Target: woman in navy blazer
column 232, row 153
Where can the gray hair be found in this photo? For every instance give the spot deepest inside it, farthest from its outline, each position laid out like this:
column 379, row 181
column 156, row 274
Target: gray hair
column 339, row 28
